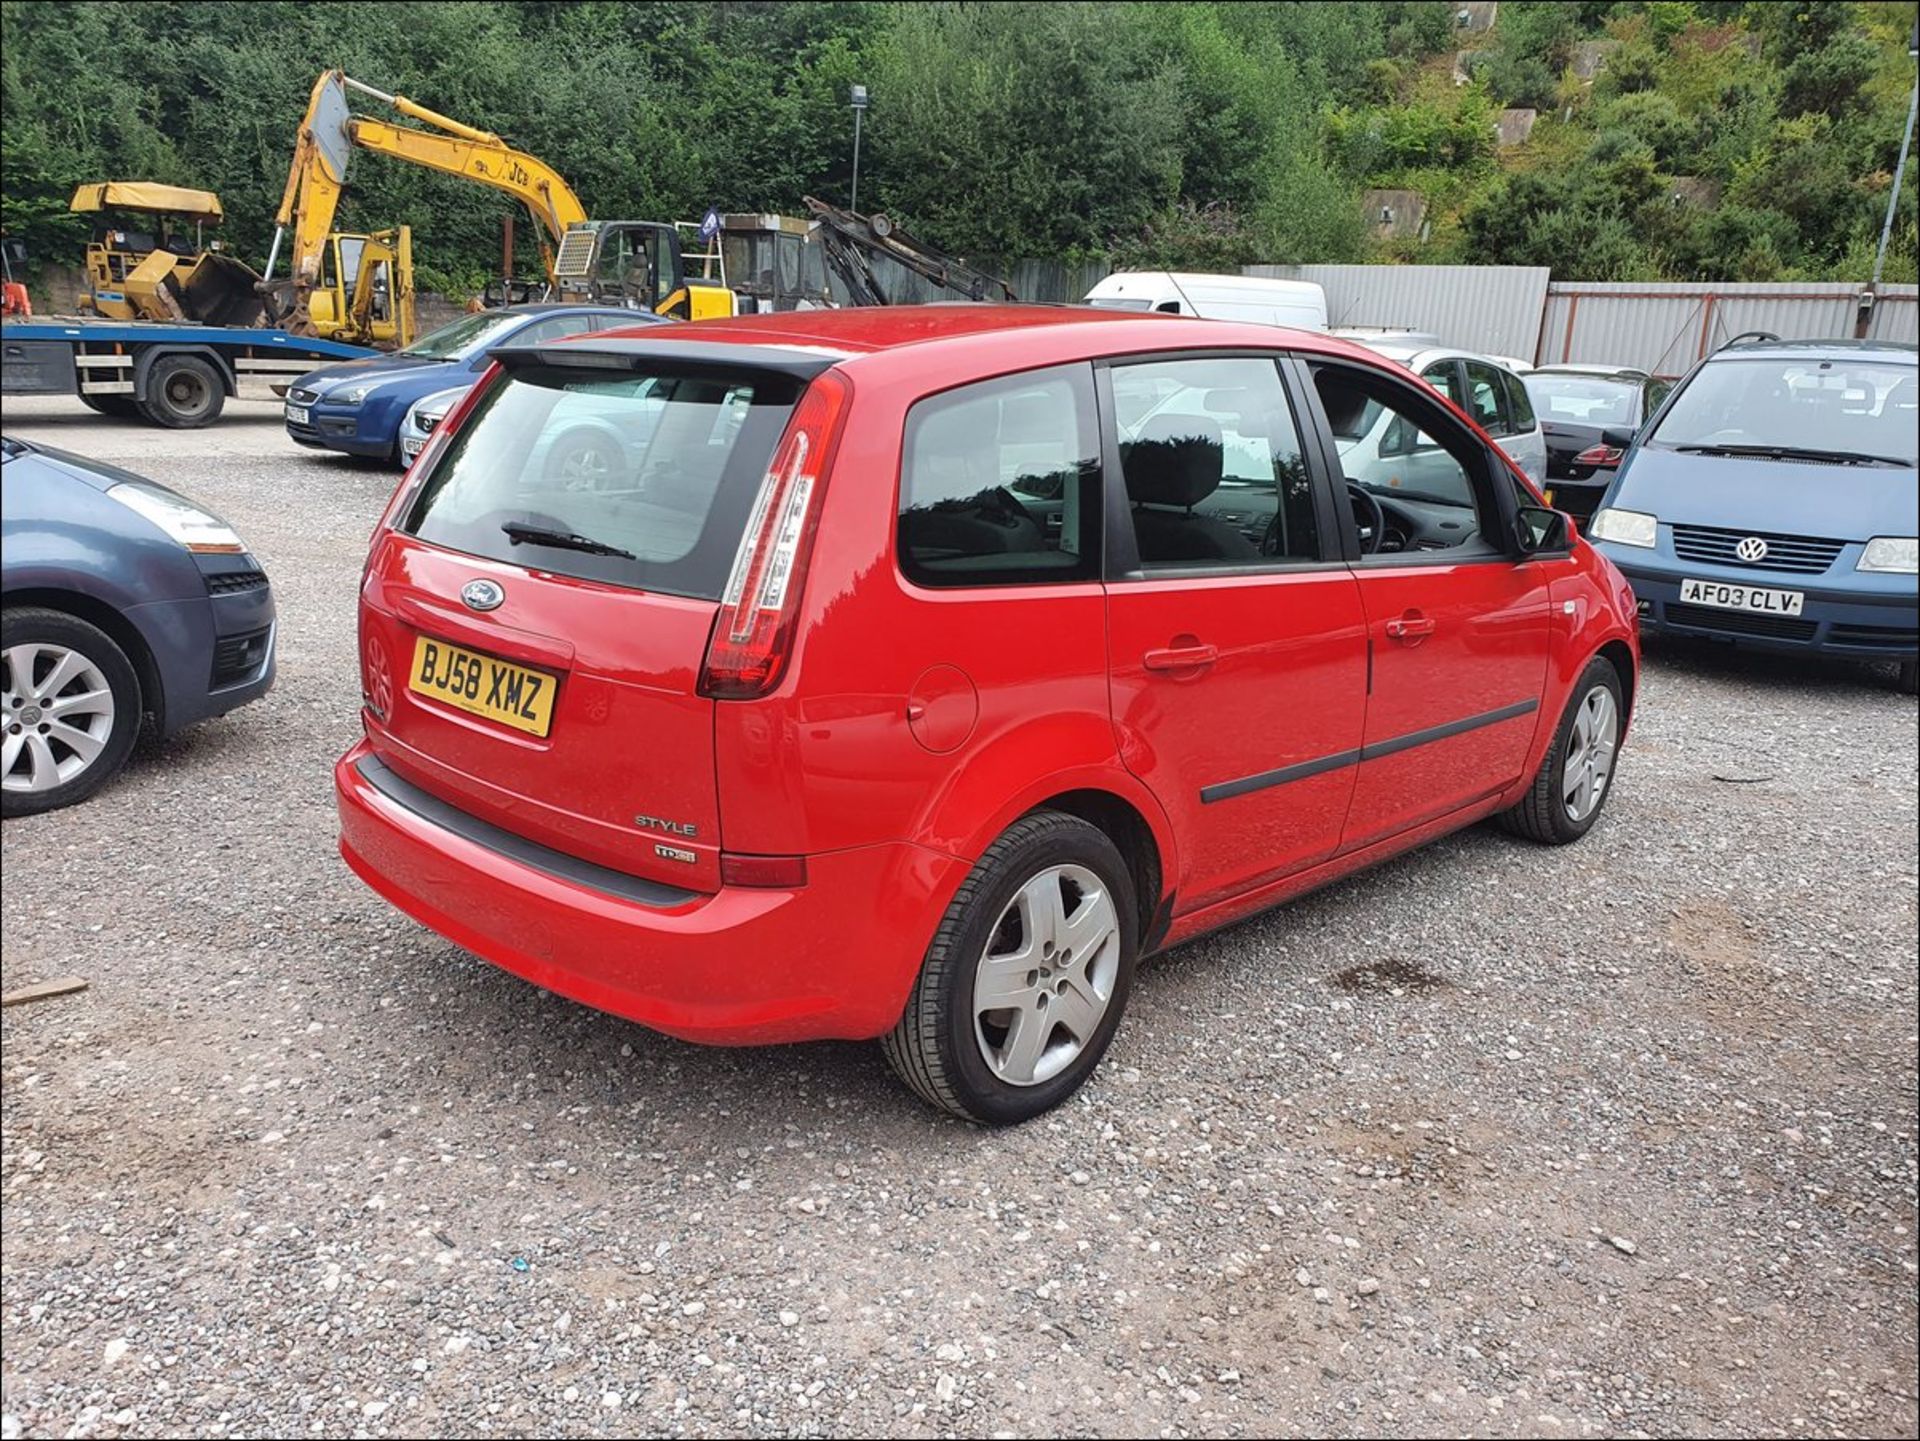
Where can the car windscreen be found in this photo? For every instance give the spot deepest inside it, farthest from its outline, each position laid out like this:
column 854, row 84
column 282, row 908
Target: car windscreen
column 1120, row 304
column 1583, row 399
column 1848, row 407
column 634, row 479
column 463, row 337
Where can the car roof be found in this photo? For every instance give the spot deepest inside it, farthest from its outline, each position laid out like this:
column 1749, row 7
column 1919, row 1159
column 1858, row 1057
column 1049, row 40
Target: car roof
column 1046, row 334
column 1599, row 372
column 1893, row 350
column 552, row 307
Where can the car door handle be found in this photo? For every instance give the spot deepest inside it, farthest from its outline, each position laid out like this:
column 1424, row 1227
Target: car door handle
column 1409, row 627
column 1180, row 657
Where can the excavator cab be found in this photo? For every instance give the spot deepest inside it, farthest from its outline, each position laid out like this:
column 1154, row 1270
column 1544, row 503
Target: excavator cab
column 638, row 264
column 365, row 290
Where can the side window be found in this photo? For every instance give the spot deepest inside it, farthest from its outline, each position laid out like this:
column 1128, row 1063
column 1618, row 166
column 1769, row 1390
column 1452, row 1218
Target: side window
column 1519, row 403
column 1416, row 478
column 1212, row 462
column 554, row 327
column 1487, row 399
column 1001, row 483
column 1444, row 376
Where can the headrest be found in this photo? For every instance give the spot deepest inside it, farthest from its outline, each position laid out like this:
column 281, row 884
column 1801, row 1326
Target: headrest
column 1175, row 460
column 1035, row 416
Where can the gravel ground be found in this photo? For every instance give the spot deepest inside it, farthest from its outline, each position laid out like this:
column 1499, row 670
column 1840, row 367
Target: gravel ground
column 1616, row 1139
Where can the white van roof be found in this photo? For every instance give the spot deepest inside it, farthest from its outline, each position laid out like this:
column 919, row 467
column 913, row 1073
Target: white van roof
column 1256, row 298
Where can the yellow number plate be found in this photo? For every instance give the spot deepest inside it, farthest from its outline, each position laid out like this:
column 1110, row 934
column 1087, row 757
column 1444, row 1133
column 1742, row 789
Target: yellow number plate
column 1549, row 496
column 497, row 689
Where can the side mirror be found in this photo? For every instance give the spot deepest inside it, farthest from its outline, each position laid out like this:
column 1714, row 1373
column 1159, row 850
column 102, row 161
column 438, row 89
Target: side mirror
column 1539, row 531
column 1617, row 439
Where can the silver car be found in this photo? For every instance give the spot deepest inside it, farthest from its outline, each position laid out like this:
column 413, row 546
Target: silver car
column 1490, row 393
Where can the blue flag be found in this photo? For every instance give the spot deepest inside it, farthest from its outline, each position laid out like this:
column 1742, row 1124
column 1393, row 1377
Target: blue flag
column 710, row 224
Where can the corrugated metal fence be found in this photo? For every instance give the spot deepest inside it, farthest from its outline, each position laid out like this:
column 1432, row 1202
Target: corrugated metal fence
column 1664, row 328
column 1520, row 311
column 1494, row 309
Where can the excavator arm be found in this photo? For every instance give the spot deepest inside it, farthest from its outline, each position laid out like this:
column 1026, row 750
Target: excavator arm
column 330, row 132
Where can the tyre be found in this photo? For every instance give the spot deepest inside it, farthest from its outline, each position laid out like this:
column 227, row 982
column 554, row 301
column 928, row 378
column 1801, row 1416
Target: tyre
column 120, row 407
column 1027, row 977
column 184, row 392
column 70, row 710
column 585, row 460
column 1908, row 677
column 1577, row 775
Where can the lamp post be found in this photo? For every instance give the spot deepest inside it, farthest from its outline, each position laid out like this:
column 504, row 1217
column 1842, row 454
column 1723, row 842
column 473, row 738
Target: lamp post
column 859, row 102
column 1899, row 170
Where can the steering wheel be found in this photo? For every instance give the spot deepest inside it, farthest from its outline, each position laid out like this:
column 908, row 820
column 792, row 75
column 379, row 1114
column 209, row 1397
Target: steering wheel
column 1368, row 516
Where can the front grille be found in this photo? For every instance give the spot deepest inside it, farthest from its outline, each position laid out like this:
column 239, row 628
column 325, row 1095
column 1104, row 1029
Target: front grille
column 1878, row 637
column 239, row 657
column 302, row 397
column 1739, row 622
column 234, row 581
column 1797, row 554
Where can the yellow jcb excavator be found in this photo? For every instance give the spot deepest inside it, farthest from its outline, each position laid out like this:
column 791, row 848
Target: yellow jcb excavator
column 636, row 263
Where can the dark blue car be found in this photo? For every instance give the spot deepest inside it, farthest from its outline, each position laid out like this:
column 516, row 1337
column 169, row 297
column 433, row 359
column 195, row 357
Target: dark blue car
column 119, row 600
column 1773, row 501
column 357, row 406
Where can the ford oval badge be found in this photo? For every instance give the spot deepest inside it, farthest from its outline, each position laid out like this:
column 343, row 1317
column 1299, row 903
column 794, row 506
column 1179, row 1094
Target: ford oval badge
column 481, row 595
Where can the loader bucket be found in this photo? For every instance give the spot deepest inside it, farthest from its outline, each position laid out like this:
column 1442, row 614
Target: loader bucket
column 219, row 290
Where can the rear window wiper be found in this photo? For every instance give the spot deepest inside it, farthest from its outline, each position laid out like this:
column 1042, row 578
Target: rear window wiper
column 561, row 540
column 1795, row 452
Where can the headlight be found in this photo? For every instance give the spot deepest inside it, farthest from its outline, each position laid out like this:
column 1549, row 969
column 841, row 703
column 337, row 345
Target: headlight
column 1900, row 553
column 188, row 524
column 1625, row 527
column 352, row 395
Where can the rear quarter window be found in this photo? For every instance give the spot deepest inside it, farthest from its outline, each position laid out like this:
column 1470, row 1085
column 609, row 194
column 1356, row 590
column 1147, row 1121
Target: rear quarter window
column 1000, row 483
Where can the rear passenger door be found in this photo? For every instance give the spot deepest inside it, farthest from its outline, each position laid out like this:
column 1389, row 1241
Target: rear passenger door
column 1236, row 638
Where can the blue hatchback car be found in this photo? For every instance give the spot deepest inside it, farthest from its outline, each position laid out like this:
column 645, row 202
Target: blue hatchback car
column 357, row 406
column 119, row 599
column 1773, row 501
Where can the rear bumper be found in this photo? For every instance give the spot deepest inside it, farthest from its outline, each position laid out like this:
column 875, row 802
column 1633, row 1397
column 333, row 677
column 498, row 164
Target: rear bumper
column 833, row 959
column 1878, row 619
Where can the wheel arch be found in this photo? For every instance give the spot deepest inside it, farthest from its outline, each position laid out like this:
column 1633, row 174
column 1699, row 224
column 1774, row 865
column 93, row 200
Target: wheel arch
column 123, row 632
column 148, row 356
column 1133, row 836
column 1621, row 655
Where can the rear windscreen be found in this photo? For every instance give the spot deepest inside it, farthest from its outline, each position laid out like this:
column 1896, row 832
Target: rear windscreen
column 636, row 479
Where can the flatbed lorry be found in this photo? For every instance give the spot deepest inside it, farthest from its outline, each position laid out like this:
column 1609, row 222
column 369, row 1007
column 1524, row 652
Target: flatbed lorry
column 178, row 376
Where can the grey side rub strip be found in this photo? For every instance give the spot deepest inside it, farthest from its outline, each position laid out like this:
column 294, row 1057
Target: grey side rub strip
column 1226, row 790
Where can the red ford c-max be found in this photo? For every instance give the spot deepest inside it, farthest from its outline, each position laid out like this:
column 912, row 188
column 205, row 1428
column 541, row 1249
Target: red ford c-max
column 911, row 673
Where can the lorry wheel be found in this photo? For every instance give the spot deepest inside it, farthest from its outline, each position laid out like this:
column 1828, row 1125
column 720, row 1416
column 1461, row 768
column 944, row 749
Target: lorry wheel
column 184, row 392
column 120, row 407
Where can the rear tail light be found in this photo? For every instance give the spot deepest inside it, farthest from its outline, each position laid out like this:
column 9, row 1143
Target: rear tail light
column 1599, row 455
column 776, row 872
column 753, row 634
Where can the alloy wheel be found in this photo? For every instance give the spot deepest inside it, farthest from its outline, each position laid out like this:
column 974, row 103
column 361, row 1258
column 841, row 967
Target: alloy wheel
column 58, row 713
column 1046, row 976
column 1590, row 748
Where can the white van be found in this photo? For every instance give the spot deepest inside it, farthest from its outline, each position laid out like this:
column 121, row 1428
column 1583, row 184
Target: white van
column 1298, row 303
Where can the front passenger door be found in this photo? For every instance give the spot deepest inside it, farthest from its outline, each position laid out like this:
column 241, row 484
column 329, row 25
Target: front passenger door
column 1457, row 625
